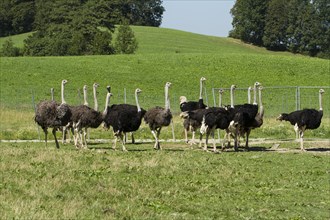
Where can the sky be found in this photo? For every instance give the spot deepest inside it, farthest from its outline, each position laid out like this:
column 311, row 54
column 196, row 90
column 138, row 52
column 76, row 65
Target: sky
column 210, row 17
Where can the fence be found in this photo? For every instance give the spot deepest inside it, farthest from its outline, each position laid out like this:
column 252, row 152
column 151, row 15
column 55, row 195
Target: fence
column 278, row 99
column 275, row 99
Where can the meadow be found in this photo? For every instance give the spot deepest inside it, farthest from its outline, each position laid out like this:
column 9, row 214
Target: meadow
column 41, row 182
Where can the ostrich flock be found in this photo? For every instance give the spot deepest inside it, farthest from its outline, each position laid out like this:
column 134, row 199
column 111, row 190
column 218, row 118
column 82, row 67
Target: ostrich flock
column 236, row 120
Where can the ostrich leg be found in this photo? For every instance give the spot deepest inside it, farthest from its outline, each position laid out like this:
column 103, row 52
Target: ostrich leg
column 46, row 133
column 156, row 139
column 56, row 142
column 122, row 139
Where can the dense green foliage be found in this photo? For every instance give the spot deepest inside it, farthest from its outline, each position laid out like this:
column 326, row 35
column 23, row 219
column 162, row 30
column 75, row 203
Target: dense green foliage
column 20, row 16
column 9, row 50
column 72, row 27
column 126, row 42
column 296, row 26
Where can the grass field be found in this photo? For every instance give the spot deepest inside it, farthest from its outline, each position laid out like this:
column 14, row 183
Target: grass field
column 176, row 183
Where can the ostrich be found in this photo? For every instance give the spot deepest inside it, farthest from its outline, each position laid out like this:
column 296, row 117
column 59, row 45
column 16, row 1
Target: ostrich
column 215, row 118
column 158, row 117
column 256, row 123
column 84, row 117
column 189, row 123
column 244, row 118
column 124, row 118
column 50, row 114
column 304, row 119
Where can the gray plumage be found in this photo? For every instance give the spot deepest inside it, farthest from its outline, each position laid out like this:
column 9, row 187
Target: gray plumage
column 50, row 114
column 159, row 117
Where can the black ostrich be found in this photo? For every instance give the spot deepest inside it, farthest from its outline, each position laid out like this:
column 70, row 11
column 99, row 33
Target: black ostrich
column 216, row 118
column 84, row 117
column 258, row 120
column 124, row 118
column 304, row 119
column 193, row 119
column 159, row 117
column 244, row 116
column 189, row 123
column 50, row 114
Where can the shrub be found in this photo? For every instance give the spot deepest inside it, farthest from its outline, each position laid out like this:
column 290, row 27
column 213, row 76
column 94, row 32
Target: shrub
column 125, row 41
column 9, row 50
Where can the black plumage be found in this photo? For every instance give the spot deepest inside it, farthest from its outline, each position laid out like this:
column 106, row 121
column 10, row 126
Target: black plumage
column 124, row 118
column 159, row 117
column 216, row 118
column 244, row 118
column 304, row 119
column 189, row 123
column 50, row 114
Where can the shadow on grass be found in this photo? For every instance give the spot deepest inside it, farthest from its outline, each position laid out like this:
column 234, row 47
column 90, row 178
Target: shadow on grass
column 320, row 149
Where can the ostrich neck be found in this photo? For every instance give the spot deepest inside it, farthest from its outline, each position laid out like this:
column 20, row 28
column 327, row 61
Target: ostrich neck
column 320, row 101
column 85, row 97
column 201, row 89
column 107, row 100
column 220, row 100
column 255, row 95
column 167, row 103
column 232, row 97
column 52, row 94
column 62, row 94
column 137, row 102
column 261, row 107
column 96, row 104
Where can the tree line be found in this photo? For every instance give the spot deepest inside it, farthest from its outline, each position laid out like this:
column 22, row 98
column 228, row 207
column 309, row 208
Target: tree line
column 76, row 27
column 298, row 26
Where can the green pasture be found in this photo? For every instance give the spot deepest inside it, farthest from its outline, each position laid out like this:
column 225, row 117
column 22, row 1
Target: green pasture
column 163, row 55
column 39, row 182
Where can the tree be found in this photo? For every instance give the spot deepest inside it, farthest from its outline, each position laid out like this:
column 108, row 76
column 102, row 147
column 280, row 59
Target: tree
column 275, row 36
column 249, row 20
column 70, row 29
column 9, row 50
column 125, row 41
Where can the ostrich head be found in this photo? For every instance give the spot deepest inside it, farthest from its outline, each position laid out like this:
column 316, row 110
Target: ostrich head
column 85, row 88
column 203, row 79
column 183, row 99
column 168, row 84
column 281, row 117
column 64, row 81
column 95, row 85
column 257, row 84
column 233, row 87
column 137, row 91
column 321, row 91
column 109, row 88
column 221, row 91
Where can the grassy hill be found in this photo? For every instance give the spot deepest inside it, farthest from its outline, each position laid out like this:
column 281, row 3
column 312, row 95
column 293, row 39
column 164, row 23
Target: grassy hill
column 165, row 55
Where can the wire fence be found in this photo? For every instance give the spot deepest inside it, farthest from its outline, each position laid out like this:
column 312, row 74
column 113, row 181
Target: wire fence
column 276, row 99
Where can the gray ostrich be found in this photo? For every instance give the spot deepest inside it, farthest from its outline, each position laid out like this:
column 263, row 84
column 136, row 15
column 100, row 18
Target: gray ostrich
column 304, row 119
column 50, row 114
column 84, row 117
column 124, row 118
column 159, row 117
